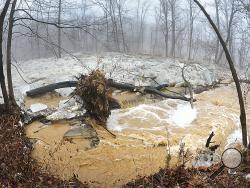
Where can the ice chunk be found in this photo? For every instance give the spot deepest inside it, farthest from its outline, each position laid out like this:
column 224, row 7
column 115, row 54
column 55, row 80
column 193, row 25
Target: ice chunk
column 38, row 107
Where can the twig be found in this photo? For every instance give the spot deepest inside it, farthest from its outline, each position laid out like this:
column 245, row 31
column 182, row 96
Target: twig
column 209, row 139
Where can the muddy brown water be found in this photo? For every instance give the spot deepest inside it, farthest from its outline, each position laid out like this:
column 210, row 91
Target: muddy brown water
column 145, row 133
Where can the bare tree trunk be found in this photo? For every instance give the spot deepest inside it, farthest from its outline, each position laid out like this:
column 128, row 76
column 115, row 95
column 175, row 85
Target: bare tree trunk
column 59, row 29
column 172, row 6
column 234, row 74
column 242, row 51
column 229, row 28
column 166, row 44
column 144, row 10
column 138, row 31
column 191, row 26
column 107, row 26
column 47, row 32
column 218, row 26
column 38, row 50
column 121, row 24
column 2, row 77
column 155, row 45
column 151, row 41
column 164, row 10
column 8, row 59
column 114, row 24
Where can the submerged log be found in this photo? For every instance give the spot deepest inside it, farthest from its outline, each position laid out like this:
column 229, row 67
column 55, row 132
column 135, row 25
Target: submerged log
column 110, row 83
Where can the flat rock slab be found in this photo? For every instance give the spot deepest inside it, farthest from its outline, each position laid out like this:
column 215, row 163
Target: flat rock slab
column 85, row 132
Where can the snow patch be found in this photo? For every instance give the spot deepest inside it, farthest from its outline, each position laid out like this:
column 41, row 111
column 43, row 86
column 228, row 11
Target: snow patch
column 183, row 116
column 65, row 92
column 24, row 88
column 38, row 107
column 143, row 117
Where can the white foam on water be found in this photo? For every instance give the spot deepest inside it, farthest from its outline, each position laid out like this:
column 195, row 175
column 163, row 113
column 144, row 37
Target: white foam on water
column 113, row 121
column 236, row 136
column 183, row 116
column 142, row 112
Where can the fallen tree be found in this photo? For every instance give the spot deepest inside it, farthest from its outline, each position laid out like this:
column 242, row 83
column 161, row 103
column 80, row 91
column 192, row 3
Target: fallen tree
column 50, row 87
column 110, row 83
column 129, row 87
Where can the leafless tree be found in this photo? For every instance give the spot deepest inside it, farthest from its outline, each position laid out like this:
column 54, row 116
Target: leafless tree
column 59, row 29
column 142, row 9
column 229, row 10
column 191, row 28
column 119, row 4
column 8, row 53
column 2, row 77
column 217, row 2
column 155, row 35
column 172, row 4
column 234, row 74
column 164, row 14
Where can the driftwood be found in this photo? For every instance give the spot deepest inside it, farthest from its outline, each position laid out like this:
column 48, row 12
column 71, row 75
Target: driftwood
column 111, row 83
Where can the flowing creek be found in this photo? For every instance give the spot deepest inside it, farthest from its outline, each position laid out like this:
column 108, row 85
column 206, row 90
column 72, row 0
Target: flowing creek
column 144, row 132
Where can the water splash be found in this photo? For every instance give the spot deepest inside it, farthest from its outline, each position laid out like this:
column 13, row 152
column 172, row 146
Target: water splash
column 183, row 116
